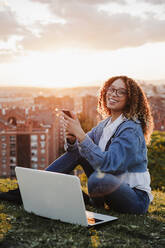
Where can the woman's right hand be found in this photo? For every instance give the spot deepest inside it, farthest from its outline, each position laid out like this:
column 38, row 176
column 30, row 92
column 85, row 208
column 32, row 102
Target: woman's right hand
column 70, row 139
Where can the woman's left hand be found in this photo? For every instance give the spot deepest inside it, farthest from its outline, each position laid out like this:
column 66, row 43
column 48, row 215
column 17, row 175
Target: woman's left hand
column 73, row 127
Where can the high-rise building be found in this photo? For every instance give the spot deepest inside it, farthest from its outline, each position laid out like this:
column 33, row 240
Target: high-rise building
column 89, row 109
column 31, row 138
column 52, row 102
column 23, row 145
column 157, row 104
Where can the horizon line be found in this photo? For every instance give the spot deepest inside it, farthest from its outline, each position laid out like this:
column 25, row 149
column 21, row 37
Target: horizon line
column 90, row 84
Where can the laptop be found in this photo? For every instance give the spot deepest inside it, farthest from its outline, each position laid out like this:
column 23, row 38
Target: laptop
column 56, row 196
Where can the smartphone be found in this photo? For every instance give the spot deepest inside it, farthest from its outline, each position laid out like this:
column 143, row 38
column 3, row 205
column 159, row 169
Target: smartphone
column 67, row 112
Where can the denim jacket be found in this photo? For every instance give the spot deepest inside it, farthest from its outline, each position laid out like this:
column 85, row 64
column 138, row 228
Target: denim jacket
column 126, row 151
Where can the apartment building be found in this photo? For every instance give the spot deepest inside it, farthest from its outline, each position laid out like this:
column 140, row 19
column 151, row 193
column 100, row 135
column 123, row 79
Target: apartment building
column 89, row 109
column 23, row 145
column 31, row 138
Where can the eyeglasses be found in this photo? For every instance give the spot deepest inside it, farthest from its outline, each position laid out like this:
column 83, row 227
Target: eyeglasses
column 118, row 92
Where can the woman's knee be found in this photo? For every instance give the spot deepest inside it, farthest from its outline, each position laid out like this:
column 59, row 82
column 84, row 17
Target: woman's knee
column 95, row 184
column 100, row 183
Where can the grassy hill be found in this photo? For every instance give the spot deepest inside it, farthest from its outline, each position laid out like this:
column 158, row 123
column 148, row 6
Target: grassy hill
column 19, row 229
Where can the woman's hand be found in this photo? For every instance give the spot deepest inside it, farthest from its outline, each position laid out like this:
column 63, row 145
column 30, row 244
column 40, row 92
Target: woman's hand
column 70, row 138
column 73, row 127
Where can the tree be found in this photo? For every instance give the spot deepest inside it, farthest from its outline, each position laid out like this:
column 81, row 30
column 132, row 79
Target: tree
column 156, row 160
column 86, row 123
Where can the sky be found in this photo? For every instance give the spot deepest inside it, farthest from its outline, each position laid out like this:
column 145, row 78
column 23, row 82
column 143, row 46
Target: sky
column 70, row 43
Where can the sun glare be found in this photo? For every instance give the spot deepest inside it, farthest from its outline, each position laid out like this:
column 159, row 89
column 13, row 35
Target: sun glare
column 75, row 67
column 63, row 68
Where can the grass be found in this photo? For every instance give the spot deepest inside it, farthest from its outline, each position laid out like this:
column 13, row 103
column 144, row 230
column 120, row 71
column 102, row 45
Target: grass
column 19, row 229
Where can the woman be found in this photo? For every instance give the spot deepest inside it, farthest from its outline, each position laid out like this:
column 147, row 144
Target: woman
column 113, row 154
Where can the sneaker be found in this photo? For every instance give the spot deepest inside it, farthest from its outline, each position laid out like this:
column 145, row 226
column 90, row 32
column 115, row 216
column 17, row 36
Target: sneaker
column 86, row 198
column 97, row 202
column 11, row 196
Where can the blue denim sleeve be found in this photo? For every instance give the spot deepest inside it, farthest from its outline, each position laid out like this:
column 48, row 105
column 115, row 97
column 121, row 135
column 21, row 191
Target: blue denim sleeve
column 92, row 134
column 123, row 153
column 71, row 147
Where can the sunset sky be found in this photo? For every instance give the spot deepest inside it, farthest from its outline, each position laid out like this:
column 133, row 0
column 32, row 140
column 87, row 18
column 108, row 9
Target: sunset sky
column 68, row 43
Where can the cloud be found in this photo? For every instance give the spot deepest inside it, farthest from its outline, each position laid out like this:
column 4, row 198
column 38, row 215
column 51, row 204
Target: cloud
column 72, row 8
column 8, row 55
column 87, row 27
column 93, row 2
column 155, row 2
column 84, row 26
column 9, row 28
column 5, row 56
column 9, row 24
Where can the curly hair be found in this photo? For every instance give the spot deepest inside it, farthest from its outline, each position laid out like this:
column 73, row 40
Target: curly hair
column 137, row 106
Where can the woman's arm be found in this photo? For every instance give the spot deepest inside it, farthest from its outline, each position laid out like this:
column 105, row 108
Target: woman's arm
column 74, row 132
column 123, row 153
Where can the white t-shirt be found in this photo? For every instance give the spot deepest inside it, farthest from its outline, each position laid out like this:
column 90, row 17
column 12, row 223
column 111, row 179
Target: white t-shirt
column 139, row 180
column 109, row 130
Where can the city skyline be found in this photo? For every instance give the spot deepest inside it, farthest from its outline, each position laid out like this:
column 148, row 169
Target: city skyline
column 53, row 44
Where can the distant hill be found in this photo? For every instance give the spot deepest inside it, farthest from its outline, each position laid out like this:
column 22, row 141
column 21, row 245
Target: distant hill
column 34, row 91
column 151, row 87
column 157, row 82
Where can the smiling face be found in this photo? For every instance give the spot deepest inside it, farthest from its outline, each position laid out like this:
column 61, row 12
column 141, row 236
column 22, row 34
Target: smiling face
column 116, row 97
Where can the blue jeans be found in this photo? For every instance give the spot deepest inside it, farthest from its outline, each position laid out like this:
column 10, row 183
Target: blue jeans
column 104, row 187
